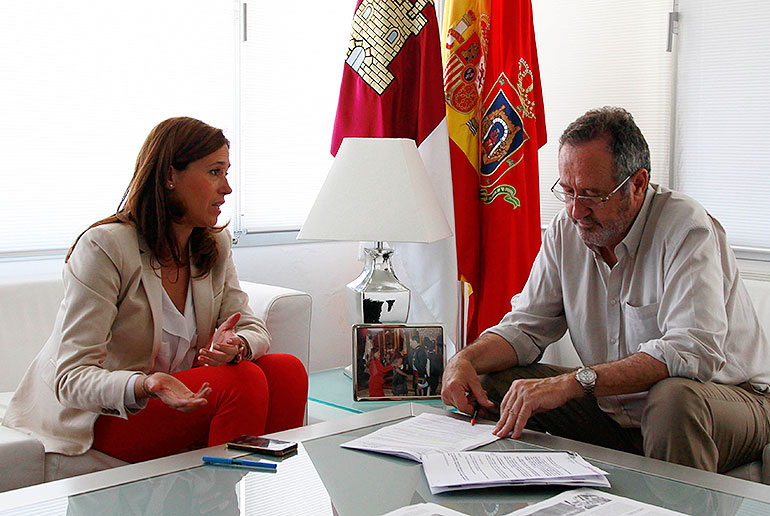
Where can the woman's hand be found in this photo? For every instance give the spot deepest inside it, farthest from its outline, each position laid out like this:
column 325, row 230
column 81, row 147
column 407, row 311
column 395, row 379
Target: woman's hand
column 174, row 393
column 224, row 344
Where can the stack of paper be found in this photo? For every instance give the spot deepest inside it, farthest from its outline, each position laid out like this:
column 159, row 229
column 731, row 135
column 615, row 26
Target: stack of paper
column 591, row 501
column 474, row 470
column 572, row 503
column 423, row 434
column 441, row 444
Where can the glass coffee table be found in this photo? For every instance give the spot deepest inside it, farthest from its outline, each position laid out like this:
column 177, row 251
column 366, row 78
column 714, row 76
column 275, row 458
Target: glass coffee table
column 325, row 479
column 330, row 396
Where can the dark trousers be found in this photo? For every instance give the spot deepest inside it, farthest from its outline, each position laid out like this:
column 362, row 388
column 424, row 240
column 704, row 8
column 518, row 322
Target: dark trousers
column 704, row 425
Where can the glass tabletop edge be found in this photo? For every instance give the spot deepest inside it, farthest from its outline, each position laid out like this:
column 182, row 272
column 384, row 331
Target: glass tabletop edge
column 143, row 470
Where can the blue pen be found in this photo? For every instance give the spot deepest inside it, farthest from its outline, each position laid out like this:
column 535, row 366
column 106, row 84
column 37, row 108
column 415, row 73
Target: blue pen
column 221, row 461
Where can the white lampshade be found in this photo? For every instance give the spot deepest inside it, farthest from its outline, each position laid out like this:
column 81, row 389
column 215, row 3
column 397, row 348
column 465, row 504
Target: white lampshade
column 377, row 190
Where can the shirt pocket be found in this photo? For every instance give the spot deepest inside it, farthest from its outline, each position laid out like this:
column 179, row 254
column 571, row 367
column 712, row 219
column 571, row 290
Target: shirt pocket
column 641, row 325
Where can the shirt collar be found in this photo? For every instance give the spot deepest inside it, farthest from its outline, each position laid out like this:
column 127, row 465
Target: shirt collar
column 630, row 243
column 634, row 235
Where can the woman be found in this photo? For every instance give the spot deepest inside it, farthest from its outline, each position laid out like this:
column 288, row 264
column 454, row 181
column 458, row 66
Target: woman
column 134, row 367
column 377, row 375
column 400, row 377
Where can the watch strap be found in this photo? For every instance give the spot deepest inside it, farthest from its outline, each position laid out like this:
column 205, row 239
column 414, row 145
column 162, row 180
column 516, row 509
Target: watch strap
column 589, row 387
column 244, row 350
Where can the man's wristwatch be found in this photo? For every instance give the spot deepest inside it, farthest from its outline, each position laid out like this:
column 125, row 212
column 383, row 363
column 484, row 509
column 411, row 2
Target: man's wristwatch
column 586, row 377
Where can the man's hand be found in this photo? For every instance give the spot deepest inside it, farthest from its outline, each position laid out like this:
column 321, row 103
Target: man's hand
column 532, row 396
column 635, row 373
column 461, row 387
column 224, row 344
column 174, row 393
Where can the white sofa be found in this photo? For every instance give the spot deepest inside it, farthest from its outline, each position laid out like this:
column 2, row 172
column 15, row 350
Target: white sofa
column 27, row 312
column 563, row 353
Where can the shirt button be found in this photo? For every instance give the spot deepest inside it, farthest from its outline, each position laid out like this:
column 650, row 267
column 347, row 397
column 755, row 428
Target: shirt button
column 614, row 302
column 613, row 340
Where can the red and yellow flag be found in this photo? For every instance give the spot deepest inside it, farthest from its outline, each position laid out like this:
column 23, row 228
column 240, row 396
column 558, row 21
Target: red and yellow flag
column 496, row 125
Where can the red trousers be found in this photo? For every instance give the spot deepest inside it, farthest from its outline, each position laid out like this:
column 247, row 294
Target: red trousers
column 250, row 398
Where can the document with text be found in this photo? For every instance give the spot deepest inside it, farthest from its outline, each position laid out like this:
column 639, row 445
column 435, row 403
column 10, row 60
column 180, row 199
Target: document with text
column 594, row 503
column 475, row 470
column 425, row 509
column 425, row 433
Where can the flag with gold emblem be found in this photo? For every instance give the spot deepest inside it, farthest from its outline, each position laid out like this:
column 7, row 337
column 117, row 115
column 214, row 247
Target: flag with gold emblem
column 496, row 125
column 392, row 87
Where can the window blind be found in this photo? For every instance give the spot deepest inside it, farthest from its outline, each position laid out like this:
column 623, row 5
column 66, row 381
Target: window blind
column 82, row 87
column 722, row 113
column 595, row 53
column 291, row 69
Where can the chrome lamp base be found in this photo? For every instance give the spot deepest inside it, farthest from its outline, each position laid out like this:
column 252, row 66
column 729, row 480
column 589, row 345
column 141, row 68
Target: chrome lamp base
column 376, row 296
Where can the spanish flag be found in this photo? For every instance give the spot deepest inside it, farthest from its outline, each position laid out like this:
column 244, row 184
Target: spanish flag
column 496, row 125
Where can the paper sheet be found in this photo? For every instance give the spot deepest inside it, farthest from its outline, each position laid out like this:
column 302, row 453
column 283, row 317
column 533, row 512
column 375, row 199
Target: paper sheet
column 425, row 433
column 474, row 470
column 593, row 502
column 424, row 509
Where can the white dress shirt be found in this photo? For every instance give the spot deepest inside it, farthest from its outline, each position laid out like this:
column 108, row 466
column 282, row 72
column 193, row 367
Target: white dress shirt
column 178, row 345
column 675, row 294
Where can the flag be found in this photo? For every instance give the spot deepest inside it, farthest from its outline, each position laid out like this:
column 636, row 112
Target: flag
column 496, row 125
column 392, row 87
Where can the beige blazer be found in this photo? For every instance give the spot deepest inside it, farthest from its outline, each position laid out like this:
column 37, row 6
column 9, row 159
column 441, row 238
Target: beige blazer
column 108, row 328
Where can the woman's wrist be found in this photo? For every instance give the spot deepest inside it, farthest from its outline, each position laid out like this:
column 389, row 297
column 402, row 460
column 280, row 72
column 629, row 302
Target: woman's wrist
column 244, row 350
column 147, row 393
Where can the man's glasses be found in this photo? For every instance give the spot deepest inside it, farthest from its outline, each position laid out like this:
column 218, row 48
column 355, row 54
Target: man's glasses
column 589, row 201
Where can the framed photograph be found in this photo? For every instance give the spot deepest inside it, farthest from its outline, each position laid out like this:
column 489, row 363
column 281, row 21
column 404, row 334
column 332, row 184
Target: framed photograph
column 397, row 361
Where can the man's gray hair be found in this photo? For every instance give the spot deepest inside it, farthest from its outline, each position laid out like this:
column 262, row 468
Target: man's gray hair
column 626, row 143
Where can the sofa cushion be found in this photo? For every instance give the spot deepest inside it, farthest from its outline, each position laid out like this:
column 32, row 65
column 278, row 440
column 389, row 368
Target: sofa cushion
column 58, row 466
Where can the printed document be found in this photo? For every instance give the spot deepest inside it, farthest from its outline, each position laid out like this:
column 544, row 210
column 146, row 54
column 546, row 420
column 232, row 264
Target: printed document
column 425, row 509
column 474, row 470
column 425, row 433
column 593, row 502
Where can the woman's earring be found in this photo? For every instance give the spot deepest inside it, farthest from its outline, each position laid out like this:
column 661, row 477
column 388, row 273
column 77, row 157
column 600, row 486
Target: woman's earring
column 171, row 186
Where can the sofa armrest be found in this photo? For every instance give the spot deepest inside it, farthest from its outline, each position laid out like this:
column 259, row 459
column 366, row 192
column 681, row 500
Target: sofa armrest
column 22, row 458
column 286, row 313
column 27, row 317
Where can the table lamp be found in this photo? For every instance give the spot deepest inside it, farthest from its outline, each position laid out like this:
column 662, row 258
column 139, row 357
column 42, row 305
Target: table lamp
column 377, row 190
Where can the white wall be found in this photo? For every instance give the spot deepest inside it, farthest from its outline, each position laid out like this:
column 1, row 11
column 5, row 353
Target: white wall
column 322, row 269
column 319, row 268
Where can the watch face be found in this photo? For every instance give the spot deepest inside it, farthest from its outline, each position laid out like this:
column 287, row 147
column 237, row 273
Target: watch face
column 586, row 376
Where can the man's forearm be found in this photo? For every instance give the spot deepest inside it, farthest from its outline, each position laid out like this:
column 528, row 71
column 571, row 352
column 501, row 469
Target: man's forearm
column 529, row 396
column 489, row 353
column 635, row 373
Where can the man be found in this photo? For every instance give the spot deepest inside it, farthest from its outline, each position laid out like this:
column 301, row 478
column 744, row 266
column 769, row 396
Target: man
column 435, row 364
column 678, row 367
column 418, row 361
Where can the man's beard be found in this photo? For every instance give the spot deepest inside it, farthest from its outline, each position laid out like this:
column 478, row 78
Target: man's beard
column 608, row 233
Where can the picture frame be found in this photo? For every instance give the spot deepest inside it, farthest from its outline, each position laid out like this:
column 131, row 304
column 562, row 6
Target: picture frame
column 398, row 361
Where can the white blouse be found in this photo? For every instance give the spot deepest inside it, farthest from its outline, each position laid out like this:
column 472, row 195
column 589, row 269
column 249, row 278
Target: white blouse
column 178, row 344
column 179, row 336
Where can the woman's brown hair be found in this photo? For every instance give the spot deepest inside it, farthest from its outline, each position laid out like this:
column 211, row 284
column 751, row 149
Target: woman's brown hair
column 175, row 142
